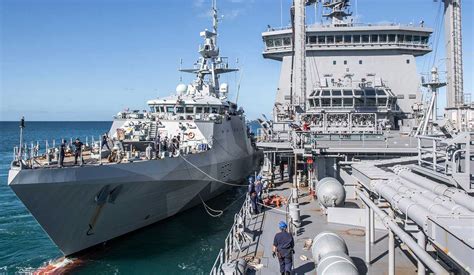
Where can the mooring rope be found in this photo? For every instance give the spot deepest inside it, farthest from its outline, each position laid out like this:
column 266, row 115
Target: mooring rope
column 209, row 176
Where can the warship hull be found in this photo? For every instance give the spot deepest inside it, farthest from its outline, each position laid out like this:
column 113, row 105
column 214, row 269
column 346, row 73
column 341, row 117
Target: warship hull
column 79, row 207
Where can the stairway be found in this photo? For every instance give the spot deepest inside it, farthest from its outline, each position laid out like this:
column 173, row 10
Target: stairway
column 153, row 130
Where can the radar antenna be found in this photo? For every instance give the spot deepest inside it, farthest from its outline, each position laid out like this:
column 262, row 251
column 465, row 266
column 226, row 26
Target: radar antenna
column 338, row 11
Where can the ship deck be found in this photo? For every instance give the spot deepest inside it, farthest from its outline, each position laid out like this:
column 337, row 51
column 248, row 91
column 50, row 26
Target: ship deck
column 265, row 225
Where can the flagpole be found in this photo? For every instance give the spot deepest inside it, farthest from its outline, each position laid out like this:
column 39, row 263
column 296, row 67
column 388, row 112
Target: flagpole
column 22, row 125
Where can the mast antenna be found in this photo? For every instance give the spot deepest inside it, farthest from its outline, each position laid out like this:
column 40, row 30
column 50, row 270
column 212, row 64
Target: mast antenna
column 215, row 20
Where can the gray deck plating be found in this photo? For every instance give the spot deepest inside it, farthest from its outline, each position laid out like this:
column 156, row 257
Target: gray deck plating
column 314, row 222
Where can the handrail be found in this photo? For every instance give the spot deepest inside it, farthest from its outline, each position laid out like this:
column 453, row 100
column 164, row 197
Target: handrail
column 230, row 242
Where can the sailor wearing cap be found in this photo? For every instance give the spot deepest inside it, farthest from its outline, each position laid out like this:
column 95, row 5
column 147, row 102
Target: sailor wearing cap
column 283, row 245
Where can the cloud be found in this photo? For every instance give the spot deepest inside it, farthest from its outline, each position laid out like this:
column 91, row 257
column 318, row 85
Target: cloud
column 228, row 10
column 232, row 14
column 198, row 3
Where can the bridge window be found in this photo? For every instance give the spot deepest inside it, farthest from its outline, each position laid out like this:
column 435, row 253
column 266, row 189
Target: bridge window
column 416, row 39
column 198, row 110
column 374, row 38
column 412, row 96
column 162, row 109
column 179, row 110
column 391, row 38
column 286, row 41
column 365, row 39
column 326, row 102
column 330, row 39
column 382, row 101
column 356, row 38
column 359, row 101
column 214, row 110
column 336, row 92
column 313, row 39
column 207, row 110
column 370, row 101
column 269, row 43
column 337, row 102
column 169, row 109
column 348, row 92
column 189, row 110
column 326, row 93
column 424, row 39
column 347, row 39
column 408, row 38
column 348, row 102
column 338, row 39
column 370, row 92
column 383, row 38
column 321, row 40
column 277, row 42
column 400, row 38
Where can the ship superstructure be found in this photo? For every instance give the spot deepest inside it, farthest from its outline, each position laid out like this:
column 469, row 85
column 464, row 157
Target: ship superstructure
column 189, row 147
column 349, row 70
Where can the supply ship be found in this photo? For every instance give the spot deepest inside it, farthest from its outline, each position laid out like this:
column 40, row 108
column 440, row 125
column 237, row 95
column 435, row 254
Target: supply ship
column 189, row 147
column 359, row 163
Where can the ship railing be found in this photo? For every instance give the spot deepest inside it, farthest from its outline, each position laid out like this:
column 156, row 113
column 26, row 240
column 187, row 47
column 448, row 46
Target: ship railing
column 300, row 139
column 432, row 154
column 232, row 242
column 47, row 155
column 348, row 24
column 446, row 156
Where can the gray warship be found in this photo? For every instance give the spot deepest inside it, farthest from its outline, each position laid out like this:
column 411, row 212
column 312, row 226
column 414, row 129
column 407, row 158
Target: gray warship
column 368, row 175
column 138, row 181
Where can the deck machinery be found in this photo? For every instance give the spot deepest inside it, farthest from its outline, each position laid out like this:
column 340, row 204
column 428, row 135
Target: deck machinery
column 349, row 105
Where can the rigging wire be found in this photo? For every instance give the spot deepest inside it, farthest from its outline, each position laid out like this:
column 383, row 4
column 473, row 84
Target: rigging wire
column 209, row 176
column 438, row 31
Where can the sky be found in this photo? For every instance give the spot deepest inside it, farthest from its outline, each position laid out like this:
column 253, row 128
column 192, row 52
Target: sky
column 90, row 59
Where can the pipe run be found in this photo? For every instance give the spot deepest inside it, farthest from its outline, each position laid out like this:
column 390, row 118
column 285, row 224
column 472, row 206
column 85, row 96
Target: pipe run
column 455, row 194
column 404, row 237
column 438, row 199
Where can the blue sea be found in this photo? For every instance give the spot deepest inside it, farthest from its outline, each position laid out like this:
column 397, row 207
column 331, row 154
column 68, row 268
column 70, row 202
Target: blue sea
column 187, row 243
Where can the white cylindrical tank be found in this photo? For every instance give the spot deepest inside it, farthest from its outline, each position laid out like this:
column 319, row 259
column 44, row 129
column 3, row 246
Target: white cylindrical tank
column 330, row 192
column 327, row 242
column 336, row 263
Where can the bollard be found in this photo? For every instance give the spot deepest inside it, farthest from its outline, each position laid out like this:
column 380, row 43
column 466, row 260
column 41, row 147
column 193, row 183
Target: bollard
column 295, row 214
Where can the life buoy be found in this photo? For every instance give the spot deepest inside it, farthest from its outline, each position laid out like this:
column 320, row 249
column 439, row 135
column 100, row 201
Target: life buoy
column 191, row 135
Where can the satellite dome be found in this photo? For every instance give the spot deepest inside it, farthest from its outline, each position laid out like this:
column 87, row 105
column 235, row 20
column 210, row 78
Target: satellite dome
column 181, row 89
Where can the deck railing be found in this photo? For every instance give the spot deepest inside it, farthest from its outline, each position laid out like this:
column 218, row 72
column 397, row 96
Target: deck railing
column 231, row 242
column 34, row 155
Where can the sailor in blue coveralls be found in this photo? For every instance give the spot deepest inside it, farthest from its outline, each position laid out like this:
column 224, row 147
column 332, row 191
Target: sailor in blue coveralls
column 283, row 245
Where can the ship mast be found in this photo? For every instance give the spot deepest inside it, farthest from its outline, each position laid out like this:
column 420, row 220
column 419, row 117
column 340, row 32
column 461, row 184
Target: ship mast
column 452, row 28
column 210, row 63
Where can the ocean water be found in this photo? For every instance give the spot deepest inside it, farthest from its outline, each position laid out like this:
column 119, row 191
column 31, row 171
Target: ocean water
column 187, row 243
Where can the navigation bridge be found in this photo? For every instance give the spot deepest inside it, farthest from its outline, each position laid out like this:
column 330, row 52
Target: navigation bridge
column 396, row 38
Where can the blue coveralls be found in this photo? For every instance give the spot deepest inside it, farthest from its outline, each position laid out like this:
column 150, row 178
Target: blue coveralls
column 284, row 243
